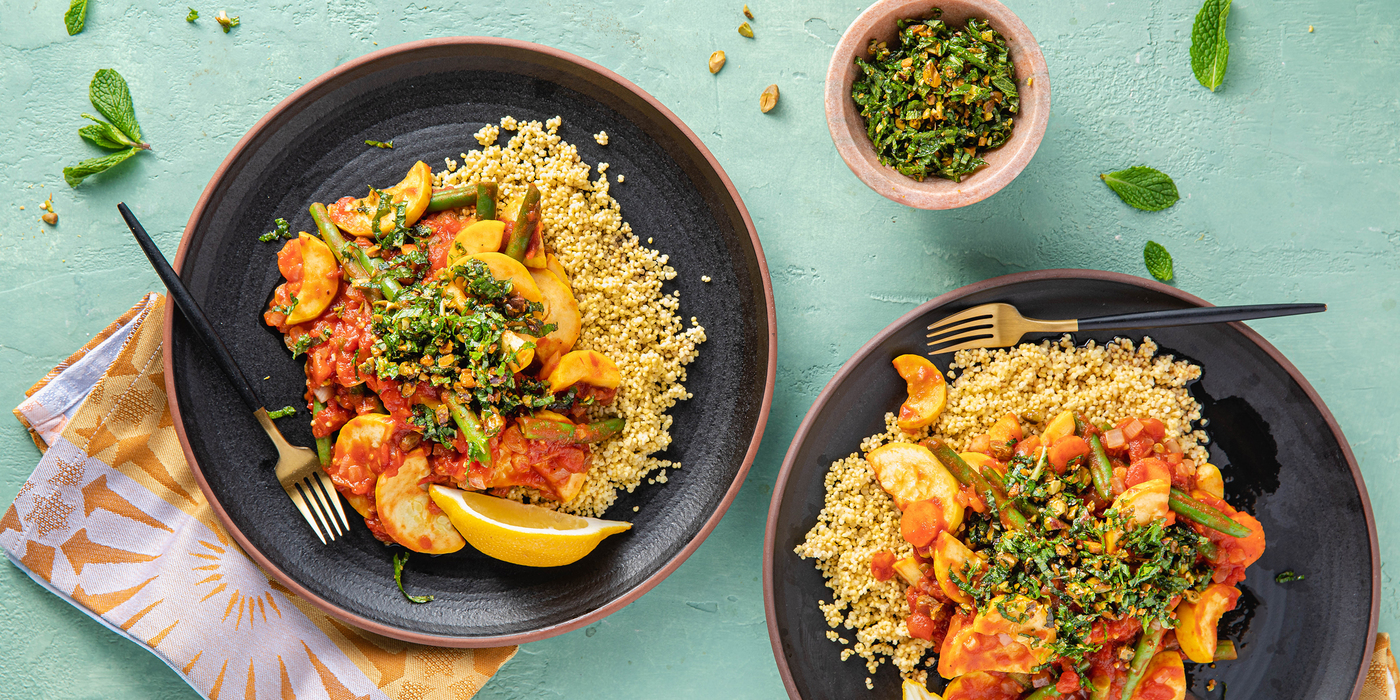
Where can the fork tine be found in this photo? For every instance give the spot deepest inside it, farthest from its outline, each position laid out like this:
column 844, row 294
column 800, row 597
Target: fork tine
column 305, row 487
column 973, row 324
column 983, row 342
column 984, row 332
column 335, row 498
column 300, row 503
column 333, row 526
column 974, row 312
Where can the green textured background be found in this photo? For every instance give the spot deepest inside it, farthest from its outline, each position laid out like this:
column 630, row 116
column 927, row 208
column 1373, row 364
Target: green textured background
column 1288, row 176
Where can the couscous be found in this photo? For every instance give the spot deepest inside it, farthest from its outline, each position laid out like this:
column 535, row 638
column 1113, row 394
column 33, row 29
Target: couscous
column 1078, row 546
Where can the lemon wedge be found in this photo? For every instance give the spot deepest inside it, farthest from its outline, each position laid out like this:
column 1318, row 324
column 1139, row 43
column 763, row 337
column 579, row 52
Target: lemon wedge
column 914, row 691
column 521, row 534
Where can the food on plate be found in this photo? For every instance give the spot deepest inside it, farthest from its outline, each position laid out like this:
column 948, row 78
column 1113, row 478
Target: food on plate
column 938, row 98
column 494, row 328
column 1054, row 531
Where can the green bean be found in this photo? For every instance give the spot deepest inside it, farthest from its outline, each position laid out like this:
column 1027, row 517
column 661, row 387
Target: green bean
column 359, row 264
column 452, row 198
column 1197, row 512
column 558, row 431
column 967, row 476
column 525, row 222
column 472, row 432
column 485, row 201
column 323, row 444
column 1049, row 691
column 999, row 486
column 1101, row 469
column 1147, row 646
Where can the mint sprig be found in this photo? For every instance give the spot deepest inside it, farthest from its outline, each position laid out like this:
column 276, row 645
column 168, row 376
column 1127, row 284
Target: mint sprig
column 76, row 16
column 1158, row 261
column 1142, row 187
column 112, row 98
column 399, row 560
column 192, row 16
column 1210, row 51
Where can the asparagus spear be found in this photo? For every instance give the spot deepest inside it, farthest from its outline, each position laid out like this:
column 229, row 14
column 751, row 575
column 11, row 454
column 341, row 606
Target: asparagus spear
column 967, row 476
column 472, row 432
column 540, row 429
column 1195, row 511
column 525, row 222
column 1101, row 469
column 359, row 263
column 323, row 444
column 485, row 201
column 1147, row 646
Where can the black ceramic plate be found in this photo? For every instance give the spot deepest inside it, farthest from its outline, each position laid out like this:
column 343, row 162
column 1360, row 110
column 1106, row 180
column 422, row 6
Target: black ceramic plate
column 429, row 98
column 1283, row 456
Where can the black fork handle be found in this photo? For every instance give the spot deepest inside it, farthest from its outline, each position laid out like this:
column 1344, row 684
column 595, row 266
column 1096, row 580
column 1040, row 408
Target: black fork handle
column 1196, row 316
column 191, row 310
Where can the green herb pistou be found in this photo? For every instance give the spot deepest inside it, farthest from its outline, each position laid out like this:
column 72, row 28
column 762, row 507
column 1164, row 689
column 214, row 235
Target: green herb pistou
column 941, row 97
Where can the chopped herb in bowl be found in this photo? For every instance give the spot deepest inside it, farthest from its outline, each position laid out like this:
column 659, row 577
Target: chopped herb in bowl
column 939, row 98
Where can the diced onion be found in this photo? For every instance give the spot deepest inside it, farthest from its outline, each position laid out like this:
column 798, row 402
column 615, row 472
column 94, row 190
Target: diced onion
column 1114, row 439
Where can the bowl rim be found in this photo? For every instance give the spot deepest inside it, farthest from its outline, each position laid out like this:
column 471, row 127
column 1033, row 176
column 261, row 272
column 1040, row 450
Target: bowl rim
column 402, row 51
column 852, row 144
column 900, row 325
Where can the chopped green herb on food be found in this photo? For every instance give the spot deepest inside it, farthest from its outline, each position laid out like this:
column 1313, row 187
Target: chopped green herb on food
column 1210, row 51
column 282, row 412
column 225, row 21
column 379, row 144
column 76, row 16
column 1142, row 187
column 1158, row 261
column 109, row 93
column 939, row 98
column 283, row 231
column 399, row 560
column 192, row 16
column 1288, row 577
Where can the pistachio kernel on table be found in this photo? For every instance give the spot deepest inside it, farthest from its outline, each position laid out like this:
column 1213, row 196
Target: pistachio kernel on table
column 769, row 99
column 716, row 61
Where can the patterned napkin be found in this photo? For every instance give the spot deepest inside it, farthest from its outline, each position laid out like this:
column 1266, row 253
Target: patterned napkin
column 113, row 522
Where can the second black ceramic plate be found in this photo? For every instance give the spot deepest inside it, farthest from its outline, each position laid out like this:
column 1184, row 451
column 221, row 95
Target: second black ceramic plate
column 429, row 97
column 1283, row 456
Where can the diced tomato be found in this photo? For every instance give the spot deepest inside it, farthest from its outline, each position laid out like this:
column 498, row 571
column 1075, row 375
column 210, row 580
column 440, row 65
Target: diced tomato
column 1068, row 683
column 1155, row 429
column 1146, row 470
column 882, row 566
column 1029, row 447
column 920, row 626
column 328, row 420
column 1119, row 630
column 1141, row 448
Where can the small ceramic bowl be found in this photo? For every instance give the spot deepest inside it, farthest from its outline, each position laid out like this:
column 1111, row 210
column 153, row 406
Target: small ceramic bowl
column 1003, row 164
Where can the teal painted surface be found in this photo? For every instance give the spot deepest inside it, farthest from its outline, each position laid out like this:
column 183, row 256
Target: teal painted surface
column 1289, row 176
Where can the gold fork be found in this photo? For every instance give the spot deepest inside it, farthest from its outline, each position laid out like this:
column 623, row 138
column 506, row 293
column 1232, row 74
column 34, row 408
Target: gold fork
column 1001, row 325
column 298, row 468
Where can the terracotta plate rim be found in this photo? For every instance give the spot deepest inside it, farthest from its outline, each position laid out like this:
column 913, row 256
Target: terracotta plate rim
column 493, row 640
column 900, row 325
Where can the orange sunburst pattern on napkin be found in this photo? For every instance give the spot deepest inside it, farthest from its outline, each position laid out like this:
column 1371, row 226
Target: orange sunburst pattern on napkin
column 113, row 521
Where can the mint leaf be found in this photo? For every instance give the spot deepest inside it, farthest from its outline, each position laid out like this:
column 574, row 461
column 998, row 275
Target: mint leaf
column 111, row 97
column 76, row 16
column 1158, row 261
column 1209, row 49
column 282, row 412
column 192, row 16
column 105, row 135
column 399, row 560
column 379, row 144
column 74, row 175
column 282, row 231
column 1142, row 187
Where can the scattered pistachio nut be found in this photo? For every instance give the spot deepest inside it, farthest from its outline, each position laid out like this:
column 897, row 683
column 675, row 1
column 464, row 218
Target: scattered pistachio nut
column 747, row 12
column 50, row 219
column 716, row 61
column 745, row 30
column 769, row 99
